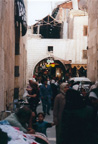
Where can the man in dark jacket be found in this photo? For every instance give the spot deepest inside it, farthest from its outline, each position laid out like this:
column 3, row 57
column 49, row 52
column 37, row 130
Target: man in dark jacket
column 77, row 121
column 46, row 94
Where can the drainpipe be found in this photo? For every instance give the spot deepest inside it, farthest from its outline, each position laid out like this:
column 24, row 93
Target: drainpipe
column 75, row 4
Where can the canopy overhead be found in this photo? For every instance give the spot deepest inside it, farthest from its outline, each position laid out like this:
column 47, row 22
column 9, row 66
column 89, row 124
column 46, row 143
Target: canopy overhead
column 48, row 27
column 60, row 59
column 48, row 20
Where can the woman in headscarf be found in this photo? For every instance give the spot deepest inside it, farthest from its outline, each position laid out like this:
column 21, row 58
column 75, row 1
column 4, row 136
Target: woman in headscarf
column 59, row 104
column 77, row 121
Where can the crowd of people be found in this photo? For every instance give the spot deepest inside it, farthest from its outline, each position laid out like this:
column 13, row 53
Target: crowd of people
column 44, row 91
column 76, row 115
column 75, row 112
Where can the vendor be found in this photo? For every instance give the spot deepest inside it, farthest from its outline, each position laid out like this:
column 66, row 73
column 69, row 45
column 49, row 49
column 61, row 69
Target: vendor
column 21, row 119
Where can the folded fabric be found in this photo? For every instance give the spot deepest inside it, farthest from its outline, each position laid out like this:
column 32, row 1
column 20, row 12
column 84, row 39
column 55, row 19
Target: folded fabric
column 18, row 136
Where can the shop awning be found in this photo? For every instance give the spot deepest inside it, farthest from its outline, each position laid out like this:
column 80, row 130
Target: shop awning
column 60, row 59
column 78, row 66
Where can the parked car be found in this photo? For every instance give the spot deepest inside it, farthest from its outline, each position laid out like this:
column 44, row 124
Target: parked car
column 80, row 82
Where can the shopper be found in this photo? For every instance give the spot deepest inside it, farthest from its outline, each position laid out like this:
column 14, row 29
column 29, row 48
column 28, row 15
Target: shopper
column 33, row 96
column 77, row 120
column 59, row 104
column 45, row 95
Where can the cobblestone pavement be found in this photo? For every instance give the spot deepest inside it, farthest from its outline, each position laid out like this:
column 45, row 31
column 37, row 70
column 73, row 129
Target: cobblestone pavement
column 50, row 131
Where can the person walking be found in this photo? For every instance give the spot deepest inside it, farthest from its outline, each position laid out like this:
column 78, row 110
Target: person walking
column 54, row 92
column 45, row 95
column 33, row 96
column 59, row 104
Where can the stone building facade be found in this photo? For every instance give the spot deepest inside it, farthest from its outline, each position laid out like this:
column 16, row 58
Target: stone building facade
column 93, row 40
column 8, row 58
column 72, row 46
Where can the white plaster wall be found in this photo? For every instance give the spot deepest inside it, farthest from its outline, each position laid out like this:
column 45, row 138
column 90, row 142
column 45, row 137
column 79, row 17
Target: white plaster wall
column 65, row 29
column 78, row 24
column 64, row 49
column 75, row 4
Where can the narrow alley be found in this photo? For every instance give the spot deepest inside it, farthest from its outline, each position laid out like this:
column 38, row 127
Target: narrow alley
column 49, row 53
column 50, row 131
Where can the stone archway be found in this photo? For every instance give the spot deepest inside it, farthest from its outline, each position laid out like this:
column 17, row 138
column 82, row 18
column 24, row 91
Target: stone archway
column 49, row 67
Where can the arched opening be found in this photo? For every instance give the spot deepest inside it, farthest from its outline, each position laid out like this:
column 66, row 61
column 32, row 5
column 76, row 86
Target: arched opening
column 50, row 68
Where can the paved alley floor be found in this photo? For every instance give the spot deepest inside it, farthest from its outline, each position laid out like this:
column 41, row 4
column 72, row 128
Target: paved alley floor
column 50, row 131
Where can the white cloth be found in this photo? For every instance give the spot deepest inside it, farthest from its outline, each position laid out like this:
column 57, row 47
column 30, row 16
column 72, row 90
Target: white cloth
column 92, row 94
column 25, row 93
column 25, row 96
column 18, row 137
column 92, row 87
column 75, row 87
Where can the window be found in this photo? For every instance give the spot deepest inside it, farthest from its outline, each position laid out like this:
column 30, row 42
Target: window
column 84, row 54
column 50, row 48
column 85, row 30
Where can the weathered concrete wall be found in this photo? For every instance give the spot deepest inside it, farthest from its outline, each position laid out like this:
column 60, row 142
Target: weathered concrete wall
column 93, row 40
column 22, row 65
column 37, row 49
column 8, row 60
column 83, row 5
column 7, row 50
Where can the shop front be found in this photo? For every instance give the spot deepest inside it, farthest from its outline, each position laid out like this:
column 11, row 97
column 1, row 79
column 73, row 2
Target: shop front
column 50, row 67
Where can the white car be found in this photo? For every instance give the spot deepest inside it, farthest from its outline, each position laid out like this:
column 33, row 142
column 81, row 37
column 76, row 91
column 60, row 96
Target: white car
column 80, row 82
column 80, row 79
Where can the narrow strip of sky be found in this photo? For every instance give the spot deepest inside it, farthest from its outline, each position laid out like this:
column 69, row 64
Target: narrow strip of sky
column 39, row 9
